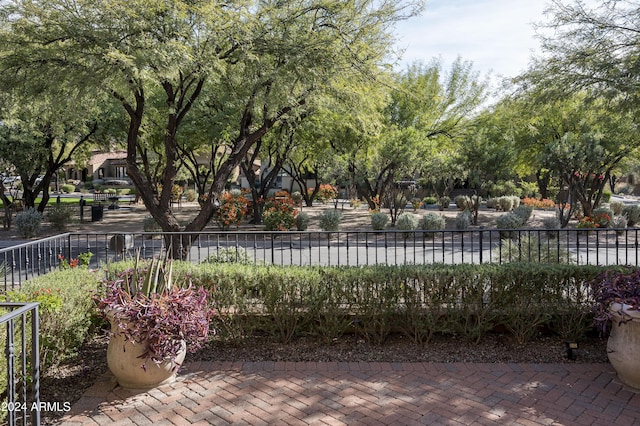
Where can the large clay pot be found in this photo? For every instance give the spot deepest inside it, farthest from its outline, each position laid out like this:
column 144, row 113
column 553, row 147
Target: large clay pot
column 623, row 346
column 123, row 359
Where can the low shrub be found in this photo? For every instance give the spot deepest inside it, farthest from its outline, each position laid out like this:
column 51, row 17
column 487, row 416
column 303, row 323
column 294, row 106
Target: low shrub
column 632, row 212
column 462, row 202
column 67, row 310
column 508, row 222
column 524, row 212
column 302, row 221
column 379, row 221
column 429, row 200
column 279, row 214
column 605, row 214
column 230, row 255
column 516, row 201
column 505, row 203
column 432, row 222
column 616, row 207
column 149, row 224
column 28, row 222
column 618, row 222
column 529, row 248
column 60, row 216
column 326, row 192
column 67, row 188
column 330, row 220
column 407, row 222
column 552, row 224
column 463, row 220
column 443, row 202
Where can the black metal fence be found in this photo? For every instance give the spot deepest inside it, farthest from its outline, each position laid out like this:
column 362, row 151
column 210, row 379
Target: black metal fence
column 21, row 393
column 350, row 248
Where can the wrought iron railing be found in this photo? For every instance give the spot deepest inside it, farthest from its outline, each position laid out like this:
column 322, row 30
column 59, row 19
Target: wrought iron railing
column 346, row 248
column 21, row 394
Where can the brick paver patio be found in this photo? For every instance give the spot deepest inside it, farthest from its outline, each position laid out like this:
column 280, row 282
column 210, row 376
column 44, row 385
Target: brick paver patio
column 334, row 393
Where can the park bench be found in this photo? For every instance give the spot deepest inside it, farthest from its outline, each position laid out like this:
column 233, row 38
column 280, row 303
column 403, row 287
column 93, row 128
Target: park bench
column 100, row 196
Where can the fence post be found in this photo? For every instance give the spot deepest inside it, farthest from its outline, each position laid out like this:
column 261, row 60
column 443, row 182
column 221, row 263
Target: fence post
column 480, row 247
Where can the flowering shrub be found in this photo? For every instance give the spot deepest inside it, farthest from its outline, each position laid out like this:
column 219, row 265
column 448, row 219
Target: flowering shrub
column 279, row 214
column 326, row 192
column 233, row 208
column 544, row 203
column 586, row 222
column 597, row 221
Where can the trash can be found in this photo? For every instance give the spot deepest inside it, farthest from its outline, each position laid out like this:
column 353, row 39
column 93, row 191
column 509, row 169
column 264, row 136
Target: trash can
column 96, row 212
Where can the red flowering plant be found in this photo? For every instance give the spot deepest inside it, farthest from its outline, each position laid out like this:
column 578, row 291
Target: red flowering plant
column 279, row 214
column 146, row 306
column 597, row 221
column 233, row 208
column 83, row 259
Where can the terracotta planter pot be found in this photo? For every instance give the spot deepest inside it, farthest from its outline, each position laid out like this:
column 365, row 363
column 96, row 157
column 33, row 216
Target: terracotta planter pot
column 623, row 346
column 123, row 359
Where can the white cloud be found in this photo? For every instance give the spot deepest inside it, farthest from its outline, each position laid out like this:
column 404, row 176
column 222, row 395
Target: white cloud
column 496, row 35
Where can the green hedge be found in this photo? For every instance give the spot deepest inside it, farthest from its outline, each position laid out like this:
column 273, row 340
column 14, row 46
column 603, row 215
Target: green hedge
column 66, row 313
column 466, row 300
column 523, row 299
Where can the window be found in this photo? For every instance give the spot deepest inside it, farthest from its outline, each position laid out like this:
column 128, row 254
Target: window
column 121, row 171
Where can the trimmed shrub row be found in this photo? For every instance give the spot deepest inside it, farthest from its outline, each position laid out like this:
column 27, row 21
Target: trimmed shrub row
column 420, row 301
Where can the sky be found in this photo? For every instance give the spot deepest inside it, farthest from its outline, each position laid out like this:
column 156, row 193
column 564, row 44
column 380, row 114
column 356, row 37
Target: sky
column 496, row 35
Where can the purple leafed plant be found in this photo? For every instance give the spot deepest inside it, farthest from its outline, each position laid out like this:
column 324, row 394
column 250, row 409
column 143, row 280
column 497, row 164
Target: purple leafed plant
column 143, row 304
column 615, row 286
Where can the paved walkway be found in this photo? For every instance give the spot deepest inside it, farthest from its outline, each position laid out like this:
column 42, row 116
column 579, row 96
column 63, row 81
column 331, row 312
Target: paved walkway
column 289, row 393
